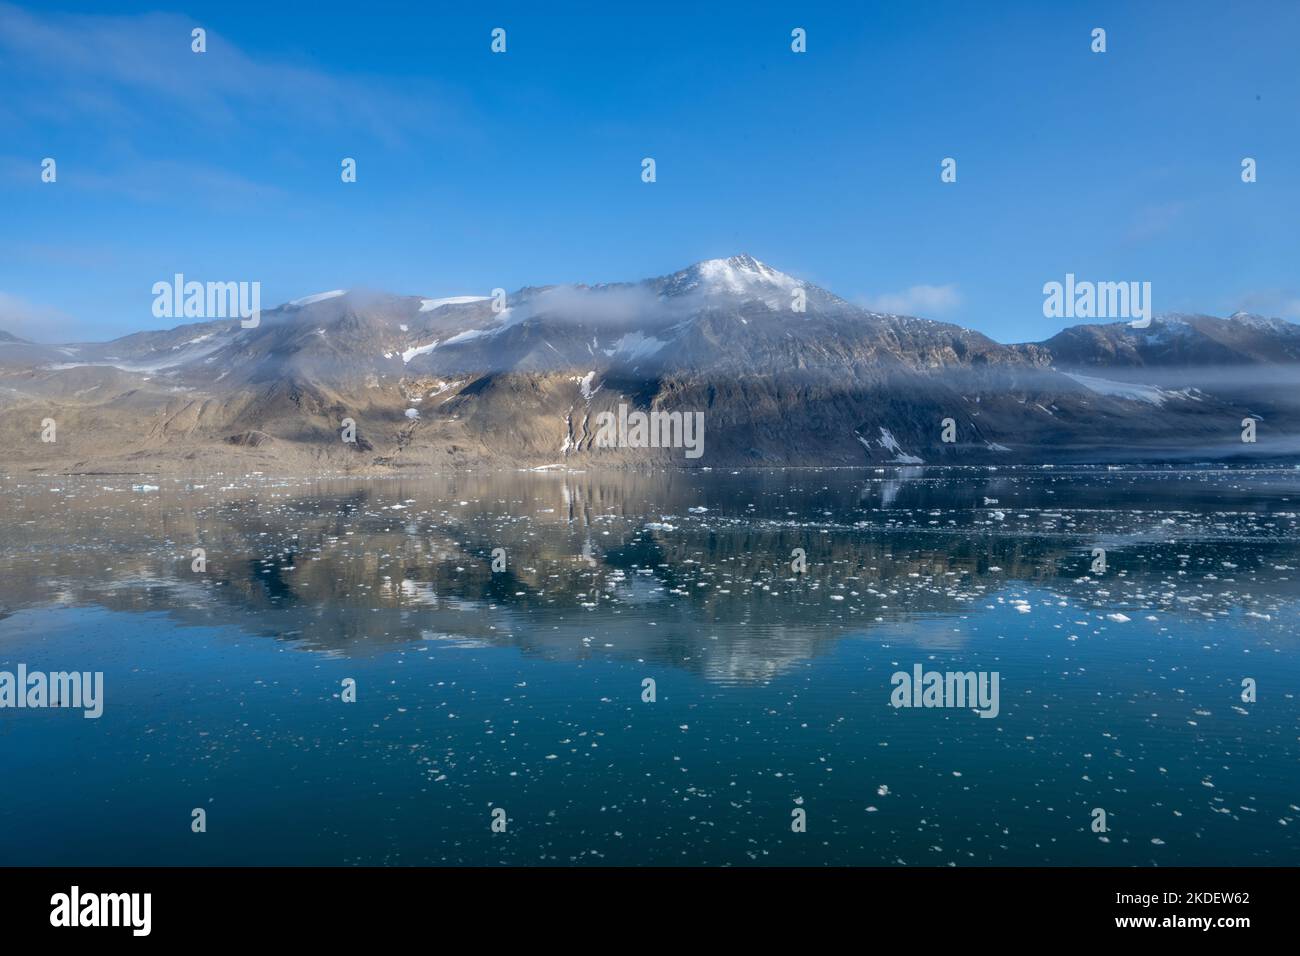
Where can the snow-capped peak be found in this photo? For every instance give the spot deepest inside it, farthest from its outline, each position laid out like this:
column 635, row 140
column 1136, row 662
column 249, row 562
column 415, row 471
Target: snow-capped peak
column 736, row 275
column 1256, row 321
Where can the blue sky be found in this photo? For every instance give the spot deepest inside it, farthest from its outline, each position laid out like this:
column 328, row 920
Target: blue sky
column 478, row 170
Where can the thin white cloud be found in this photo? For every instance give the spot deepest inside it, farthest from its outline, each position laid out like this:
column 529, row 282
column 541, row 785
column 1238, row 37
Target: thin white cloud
column 140, row 70
column 922, row 300
column 1156, row 219
column 34, row 322
column 1272, row 303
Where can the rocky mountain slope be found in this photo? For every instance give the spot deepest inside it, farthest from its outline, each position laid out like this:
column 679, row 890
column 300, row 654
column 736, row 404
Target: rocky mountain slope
column 783, row 373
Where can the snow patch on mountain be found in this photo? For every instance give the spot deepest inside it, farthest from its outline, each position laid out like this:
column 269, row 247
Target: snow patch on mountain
column 443, row 387
column 1251, row 320
column 418, row 350
column 741, row 275
column 200, row 347
column 428, row 305
column 635, row 345
column 1131, row 391
column 468, row 335
column 889, row 443
column 318, row 297
column 584, row 385
column 569, row 443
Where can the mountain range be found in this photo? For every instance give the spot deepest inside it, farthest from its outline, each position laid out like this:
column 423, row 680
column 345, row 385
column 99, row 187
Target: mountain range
column 462, row 381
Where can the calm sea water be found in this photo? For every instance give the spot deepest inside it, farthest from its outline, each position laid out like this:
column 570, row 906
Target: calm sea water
column 522, row 689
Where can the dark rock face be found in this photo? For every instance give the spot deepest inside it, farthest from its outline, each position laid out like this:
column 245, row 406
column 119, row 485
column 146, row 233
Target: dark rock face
column 251, row 439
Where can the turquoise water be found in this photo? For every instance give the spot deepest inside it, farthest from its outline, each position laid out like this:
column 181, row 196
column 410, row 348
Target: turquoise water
column 522, row 689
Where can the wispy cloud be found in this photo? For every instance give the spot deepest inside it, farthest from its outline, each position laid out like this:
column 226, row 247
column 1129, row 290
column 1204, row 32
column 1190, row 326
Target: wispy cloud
column 922, row 300
column 146, row 179
column 34, row 322
column 1273, row 303
column 118, row 71
column 1155, row 219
